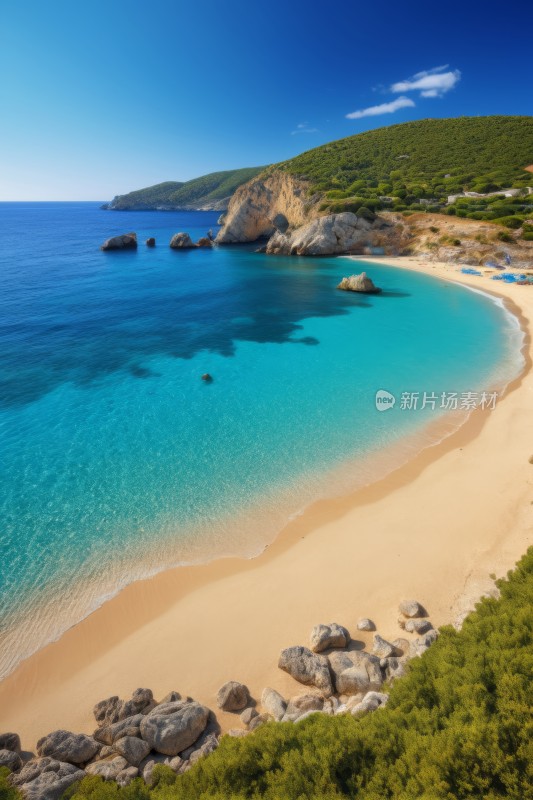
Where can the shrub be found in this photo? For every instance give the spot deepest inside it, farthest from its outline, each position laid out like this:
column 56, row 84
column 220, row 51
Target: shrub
column 433, row 229
column 503, row 236
column 366, row 213
column 528, row 236
column 510, row 222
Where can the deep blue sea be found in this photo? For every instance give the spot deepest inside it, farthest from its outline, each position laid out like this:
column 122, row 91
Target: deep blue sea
column 117, row 460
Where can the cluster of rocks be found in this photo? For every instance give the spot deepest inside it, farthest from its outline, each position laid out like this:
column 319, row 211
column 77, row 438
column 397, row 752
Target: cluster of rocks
column 180, row 241
column 333, row 234
column 134, row 735
column 131, row 738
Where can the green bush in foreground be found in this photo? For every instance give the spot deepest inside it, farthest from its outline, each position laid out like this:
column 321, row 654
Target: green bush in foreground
column 459, row 725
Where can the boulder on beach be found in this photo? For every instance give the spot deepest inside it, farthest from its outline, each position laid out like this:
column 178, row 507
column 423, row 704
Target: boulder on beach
column 355, row 671
column 112, row 709
column 173, row 727
column 108, row 770
column 273, row 703
column 126, row 727
column 73, row 748
column 181, row 241
column 247, row 715
column 126, row 241
column 359, row 283
column 332, row 635
column 11, row 760
column 412, row 608
column 366, row 624
column 381, row 648
column 10, row 741
column 418, row 625
column 233, row 696
column 46, row 778
column 306, row 667
column 132, row 749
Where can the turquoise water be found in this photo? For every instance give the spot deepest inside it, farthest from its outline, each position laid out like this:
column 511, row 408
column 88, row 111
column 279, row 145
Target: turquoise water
column 118, row 461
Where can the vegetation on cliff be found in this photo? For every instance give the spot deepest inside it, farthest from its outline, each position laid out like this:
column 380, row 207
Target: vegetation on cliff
column 459, row 725
column 208, row 190
column 418, row 165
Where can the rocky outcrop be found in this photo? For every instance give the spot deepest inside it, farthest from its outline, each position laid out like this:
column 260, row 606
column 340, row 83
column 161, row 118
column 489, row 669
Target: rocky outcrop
column 173, row 727
column 74, row 748
column 126, row 241
column 204, row 241
column 326, row 236
column 265, row 204
column 307, row 668
column 46, row 779
column 359, row 283
column 332, row 635
column 181, row 241
column 113, row 709
column 126, row 727
column 109, row 770
column 233, row 696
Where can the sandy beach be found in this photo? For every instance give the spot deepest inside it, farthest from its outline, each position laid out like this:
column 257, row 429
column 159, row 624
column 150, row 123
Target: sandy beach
column 435, row 530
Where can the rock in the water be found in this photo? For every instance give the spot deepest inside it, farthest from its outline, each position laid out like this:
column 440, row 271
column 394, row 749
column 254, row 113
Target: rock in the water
column 332, row 635
column 181, row 241
column 366, row 624
column 418, row 625
column 207, row 377
column 355, row 672
column 150, row 242
column 171, row 728
column 127, row 241
column 273, row 703
column 112, row 710
column 247, row 715
column 307, row 668
column 325, row 236
column 205, row 241
column 11, row 760
column 411, row 608
column 132, row 749
column 359, row 283
column 10, row 741
column 382, row 648
column 73, row 748
column 46, row 778
column 108, row 770
column 233, row 696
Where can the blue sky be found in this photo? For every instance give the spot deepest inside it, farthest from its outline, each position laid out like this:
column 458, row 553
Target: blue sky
column 99, row 98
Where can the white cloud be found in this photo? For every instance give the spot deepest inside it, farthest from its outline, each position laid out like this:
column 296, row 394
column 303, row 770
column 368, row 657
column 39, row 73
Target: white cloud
column 384, row 108
column 303, row 127
column 430, row 83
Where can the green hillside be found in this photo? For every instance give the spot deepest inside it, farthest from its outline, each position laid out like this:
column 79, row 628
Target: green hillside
column 209, row 189
column 418, row 164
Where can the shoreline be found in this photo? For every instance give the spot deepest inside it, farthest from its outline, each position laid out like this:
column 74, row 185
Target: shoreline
column 233, row 616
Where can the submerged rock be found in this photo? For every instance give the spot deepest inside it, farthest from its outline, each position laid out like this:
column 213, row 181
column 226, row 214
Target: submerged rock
column 181, row 241
column 359, row 283
column 126, row 241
